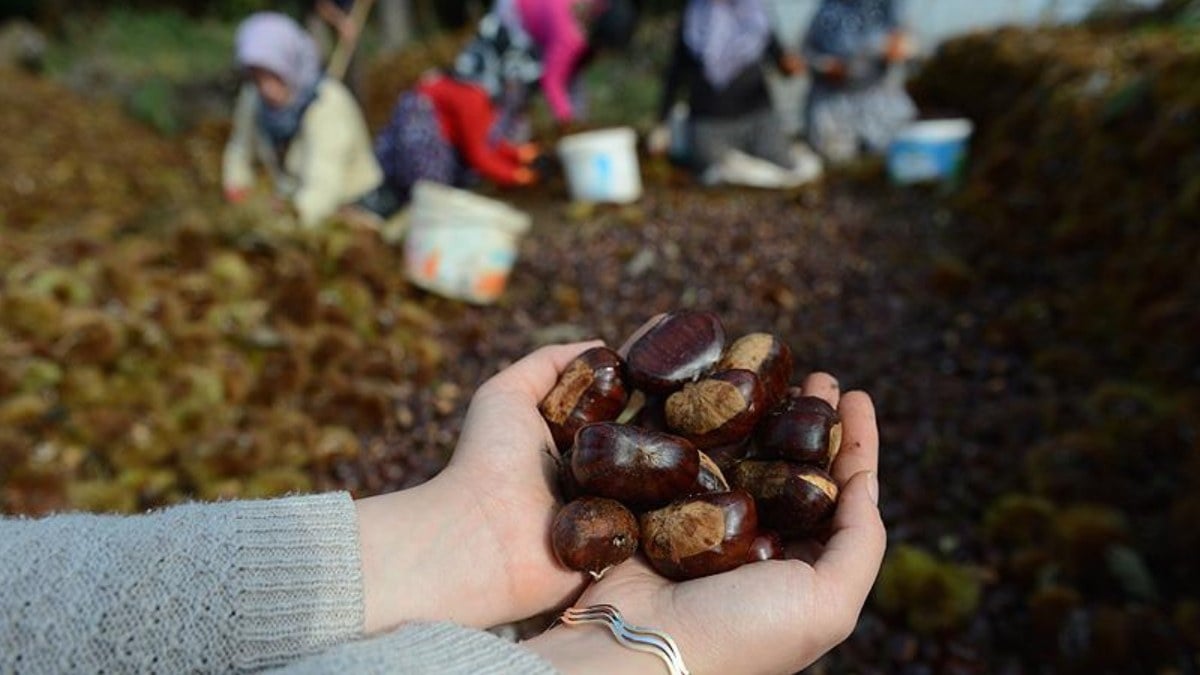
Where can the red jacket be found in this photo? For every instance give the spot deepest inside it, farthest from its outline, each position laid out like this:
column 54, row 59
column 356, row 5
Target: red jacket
column 466, row 116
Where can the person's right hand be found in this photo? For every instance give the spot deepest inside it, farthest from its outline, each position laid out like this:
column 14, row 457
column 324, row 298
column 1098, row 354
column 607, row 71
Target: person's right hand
column 525, row 176
column 776, row 616
column 658, row 140
column 236, row 195
column 832, row 68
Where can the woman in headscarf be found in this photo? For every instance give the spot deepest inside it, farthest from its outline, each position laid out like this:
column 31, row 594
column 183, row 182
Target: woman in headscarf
column 857, row 100
column 720, row 50
column 306, row 129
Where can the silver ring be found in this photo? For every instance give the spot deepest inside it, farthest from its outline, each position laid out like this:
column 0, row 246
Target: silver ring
column 642, row 639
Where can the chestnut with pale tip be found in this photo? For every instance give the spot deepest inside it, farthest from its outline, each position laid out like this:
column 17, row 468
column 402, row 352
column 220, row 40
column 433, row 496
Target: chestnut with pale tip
column 590, row 389
column 591, row 534
column 701, row 535
column 803, row 429
column 718, row 410
column 642, row 469
column 764, row 355
column 795, row 500
column 677, row 348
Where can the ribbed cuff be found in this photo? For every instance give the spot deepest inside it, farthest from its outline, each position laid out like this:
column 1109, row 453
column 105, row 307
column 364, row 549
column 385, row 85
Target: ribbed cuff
column 298, row 587
column 427, row 649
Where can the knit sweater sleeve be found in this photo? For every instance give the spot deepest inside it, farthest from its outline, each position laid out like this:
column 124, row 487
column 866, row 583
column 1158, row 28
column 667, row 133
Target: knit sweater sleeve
column 425, row 649
column 233, row 586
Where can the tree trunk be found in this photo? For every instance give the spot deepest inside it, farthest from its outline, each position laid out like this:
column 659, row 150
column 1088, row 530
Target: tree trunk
column 396, row 20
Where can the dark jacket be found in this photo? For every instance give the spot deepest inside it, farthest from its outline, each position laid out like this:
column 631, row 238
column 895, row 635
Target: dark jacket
column 746, row 93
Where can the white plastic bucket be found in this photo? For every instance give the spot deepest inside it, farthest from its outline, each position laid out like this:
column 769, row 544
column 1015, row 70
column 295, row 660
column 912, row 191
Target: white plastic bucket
column 929, row 150
column 602, row 165
column 460, row 244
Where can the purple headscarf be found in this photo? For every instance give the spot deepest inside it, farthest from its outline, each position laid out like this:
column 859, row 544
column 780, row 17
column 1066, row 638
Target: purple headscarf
column 275, row 42
column 726, row 36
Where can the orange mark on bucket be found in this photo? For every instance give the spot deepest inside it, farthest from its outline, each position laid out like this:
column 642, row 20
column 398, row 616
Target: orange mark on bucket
column 429, row 266
column 491, row 284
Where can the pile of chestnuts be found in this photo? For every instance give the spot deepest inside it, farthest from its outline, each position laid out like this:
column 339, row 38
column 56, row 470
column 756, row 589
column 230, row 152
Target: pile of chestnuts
column 697, row 451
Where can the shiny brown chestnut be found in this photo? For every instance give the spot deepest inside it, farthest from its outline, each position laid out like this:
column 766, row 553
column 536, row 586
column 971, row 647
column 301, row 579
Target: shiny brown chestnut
column 720, row 409
column 677, row 348
column 568, row 488
column 590, row 389
column 701, row 535
column 767, row 545
column 642, row 469
column 795, row 500
column 592, row 534
column 764, row 355
column 803, row 429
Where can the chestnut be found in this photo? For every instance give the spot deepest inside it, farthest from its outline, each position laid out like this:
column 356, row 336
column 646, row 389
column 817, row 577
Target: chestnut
column 643, row 469
column 718, row 410
column 701, row 535
column 567, row 486
column 793, row 499
column 592, row 534
column 710, row 478
column 803, row 429
column 590, row 389
column 725, row 456
column 767, row 545
column 764, row 355
column 677, row 348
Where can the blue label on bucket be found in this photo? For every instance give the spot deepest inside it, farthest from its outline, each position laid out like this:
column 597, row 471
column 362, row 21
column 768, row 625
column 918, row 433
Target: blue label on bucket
column 602, row 174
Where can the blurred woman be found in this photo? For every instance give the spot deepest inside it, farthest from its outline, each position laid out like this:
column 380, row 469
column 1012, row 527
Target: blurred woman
column 305, row 129
column 857, row 100
column 445, row 130
column 550, row 42
column 734, row 133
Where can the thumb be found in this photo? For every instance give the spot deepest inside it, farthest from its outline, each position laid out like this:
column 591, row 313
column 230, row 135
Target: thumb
column 854, row 552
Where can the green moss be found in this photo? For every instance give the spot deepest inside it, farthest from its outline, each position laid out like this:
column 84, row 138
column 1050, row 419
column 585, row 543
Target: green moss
column 929, row 594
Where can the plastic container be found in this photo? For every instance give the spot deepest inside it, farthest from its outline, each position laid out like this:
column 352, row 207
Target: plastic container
column 460, row 244
column 929, row 151
column 602, row 165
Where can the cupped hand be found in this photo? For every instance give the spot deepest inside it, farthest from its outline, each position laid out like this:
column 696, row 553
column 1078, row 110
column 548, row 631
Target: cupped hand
column 776, row 616
column 471, row 545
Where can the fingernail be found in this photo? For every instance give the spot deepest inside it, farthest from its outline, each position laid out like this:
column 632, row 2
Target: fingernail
column 873, row 487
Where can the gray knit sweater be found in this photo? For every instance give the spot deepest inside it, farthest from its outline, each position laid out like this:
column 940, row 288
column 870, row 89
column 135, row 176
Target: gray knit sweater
column 233, row 586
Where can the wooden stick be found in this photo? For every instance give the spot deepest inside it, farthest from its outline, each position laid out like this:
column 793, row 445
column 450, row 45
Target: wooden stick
column 340, row 60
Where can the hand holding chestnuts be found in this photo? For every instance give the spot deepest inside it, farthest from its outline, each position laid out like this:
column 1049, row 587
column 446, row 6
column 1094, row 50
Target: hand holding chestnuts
column 651, row 484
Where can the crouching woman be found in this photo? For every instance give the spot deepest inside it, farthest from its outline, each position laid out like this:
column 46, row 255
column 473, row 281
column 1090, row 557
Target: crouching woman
column 305, row 129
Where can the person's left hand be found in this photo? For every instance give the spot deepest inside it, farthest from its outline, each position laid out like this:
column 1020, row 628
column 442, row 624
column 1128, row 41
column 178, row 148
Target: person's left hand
column 899, row 47
column 471, row 545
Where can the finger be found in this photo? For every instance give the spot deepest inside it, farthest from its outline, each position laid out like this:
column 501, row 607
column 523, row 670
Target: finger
column 823, row 386
column 854, row 553
column 860, row 437
column 535, row 374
